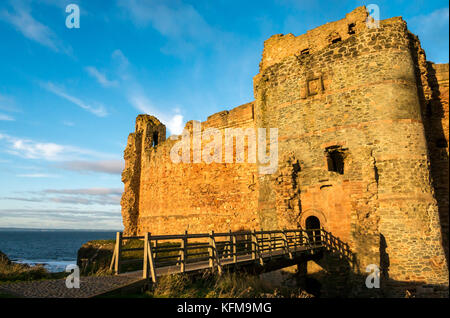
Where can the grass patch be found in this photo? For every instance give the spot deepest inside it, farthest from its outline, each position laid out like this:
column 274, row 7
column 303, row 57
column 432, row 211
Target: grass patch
column 14, row 272
column 212, row 285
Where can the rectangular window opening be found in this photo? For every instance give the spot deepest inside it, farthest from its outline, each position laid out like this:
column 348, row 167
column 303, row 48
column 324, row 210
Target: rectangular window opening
column 335, row 159
column 304, row 52
column 351, row 28
column 336, row 40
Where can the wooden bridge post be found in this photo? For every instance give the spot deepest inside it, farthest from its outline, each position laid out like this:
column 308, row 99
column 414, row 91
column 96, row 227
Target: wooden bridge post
column 234, row 249
column 210, row 250
column 270, row 244
column 117, row 251
column 230, row 244
column 183, row 251
column 286, row 244
column 254, row 242
column 150, row 257
column 213, row 253
column 145, row 265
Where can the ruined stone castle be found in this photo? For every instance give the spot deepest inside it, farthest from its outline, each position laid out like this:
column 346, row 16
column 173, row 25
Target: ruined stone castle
column 362, row 122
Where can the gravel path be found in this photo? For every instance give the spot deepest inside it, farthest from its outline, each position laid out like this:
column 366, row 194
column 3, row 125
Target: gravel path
column 89, row 286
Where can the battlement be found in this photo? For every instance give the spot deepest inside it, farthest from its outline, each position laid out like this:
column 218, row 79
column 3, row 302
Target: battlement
column 280, row 46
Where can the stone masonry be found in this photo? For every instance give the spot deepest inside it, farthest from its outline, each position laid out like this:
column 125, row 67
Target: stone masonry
column 362, row 122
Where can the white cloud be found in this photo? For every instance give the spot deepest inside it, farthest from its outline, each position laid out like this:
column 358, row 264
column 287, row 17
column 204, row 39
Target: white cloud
column 173, row 121
column 21, row 19
column 87, row 191
column 68, row 123
column 121, row 59
column 180, row 23
column 433, row 32
column 37, row 175
column 6, row 117
column 99, row 110
column 30, row 149
column 8, row 104
column 100, row 77
column 101, row 166
column 62, row 218
column 88, row 196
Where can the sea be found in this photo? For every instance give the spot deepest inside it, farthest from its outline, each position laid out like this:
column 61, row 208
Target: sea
column 54, row 249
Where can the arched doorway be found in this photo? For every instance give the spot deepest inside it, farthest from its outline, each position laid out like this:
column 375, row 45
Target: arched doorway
column 312, row 224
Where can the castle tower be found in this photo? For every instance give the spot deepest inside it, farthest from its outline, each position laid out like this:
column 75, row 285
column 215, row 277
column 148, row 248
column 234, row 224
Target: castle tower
column 148, row 134
column 353, row 151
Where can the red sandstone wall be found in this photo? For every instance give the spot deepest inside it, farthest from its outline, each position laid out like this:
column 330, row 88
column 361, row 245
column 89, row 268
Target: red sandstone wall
column 198, row 197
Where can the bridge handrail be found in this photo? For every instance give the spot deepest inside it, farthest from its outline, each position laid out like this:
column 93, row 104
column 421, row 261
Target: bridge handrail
column 219, row 247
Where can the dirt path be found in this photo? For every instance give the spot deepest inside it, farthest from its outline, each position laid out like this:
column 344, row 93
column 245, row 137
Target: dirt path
column 89, row 286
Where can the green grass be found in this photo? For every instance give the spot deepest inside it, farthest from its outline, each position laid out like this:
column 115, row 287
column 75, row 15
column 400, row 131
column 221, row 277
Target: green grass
column 212, row 285
column 13, row 272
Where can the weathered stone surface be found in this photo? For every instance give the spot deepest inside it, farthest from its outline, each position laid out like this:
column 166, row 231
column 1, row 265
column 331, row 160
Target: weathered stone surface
column 365, row 95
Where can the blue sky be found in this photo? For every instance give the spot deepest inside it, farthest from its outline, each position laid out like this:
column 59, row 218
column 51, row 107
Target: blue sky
column 69, row 97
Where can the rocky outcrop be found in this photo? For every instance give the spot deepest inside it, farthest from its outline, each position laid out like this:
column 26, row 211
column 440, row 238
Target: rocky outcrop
column 95, row 256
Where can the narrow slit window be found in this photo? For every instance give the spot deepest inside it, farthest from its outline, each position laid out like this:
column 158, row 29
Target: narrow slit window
column 155, row 139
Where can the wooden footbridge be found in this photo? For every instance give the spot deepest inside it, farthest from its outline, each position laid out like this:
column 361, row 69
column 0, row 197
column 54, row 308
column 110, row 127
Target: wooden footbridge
column 171, row 254
column 137, row 260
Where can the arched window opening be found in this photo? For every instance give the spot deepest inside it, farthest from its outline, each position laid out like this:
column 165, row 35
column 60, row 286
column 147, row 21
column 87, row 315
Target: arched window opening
column 312, row 224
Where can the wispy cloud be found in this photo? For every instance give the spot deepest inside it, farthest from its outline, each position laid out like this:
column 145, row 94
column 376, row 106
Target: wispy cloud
column 88, row 196
column 99, row 110
column 8, row 104
column 6, row 117
column 62, row 218
column 433, row 32
column 174, row 120
column 68, row 123
column 87, row 191
column 135, row 95
column 49, row 151
column 37, row 175
column 100, row 77
column 21, row 19
column 179, row 22
column 101, row 166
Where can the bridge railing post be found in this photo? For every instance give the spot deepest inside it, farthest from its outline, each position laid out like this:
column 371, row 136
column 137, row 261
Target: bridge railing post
column 211, row 251
column 254, row 243
column 230, row 245
column 270, row 244
column 183, row 252
column 214, row 253
column 118, row 249
column 286, row 244
column 145, row 261
column 234, row 248
column 151, row 259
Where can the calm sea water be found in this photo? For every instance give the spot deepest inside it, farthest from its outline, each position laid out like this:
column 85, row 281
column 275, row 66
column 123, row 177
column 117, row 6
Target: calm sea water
column 53, row 248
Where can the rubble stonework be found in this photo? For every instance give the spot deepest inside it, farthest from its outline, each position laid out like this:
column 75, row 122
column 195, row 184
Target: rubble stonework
column 364, row 99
